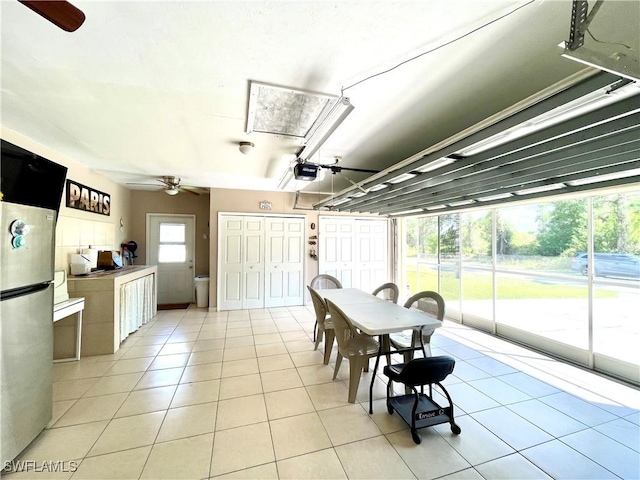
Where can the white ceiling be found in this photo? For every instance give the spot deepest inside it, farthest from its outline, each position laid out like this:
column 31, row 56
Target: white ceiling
column 151, row 88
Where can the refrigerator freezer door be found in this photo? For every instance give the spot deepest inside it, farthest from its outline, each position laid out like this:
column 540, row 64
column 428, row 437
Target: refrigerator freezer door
column 26, row 356
column 26, row 239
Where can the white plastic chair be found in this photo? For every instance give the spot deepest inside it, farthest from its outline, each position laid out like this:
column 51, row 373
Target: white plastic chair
column 357, row 347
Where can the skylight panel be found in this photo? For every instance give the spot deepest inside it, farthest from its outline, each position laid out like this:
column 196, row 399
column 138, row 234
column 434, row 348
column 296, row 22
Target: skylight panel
column 283, row 111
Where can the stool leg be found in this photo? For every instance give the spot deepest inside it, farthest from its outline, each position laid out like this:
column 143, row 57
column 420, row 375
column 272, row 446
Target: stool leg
column 407, row 357
column 414, row 430
column 389, row 407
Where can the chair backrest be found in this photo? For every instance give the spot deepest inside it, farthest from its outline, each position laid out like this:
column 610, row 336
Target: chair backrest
column 388, row 291
column 344, row 330
column 325, row 281
column 428, row 302
column 319, row 306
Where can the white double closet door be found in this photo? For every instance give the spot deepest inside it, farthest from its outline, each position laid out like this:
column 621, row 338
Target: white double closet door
column 260, row 261
column 355, row 251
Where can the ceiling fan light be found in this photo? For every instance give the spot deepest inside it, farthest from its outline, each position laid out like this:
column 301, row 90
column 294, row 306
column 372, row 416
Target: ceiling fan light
column 246, row 147
column 172, row 190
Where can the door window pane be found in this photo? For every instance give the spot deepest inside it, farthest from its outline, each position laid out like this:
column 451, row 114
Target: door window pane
column 616, row 242
column 616, row 329
column 172, row 233
column 172, row 247
column 477, row 291
column 420, row 255
column 476, row 237
column 616, row 236
column 428, row 239
column 477, row 284
column 449, row 238
column 172, row 253
column 554, row 309
column 541, row 238
column 542, row 277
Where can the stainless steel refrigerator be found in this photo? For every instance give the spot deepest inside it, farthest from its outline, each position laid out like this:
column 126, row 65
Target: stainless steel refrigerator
column 31, row 189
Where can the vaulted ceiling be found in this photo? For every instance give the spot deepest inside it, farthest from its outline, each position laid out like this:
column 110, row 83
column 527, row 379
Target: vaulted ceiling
column 153, row 88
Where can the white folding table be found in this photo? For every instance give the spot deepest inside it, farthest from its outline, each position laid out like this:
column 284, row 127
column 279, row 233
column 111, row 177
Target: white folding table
column 376, row 316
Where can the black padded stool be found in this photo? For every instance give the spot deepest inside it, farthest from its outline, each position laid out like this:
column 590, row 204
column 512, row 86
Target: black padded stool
column 419, row 410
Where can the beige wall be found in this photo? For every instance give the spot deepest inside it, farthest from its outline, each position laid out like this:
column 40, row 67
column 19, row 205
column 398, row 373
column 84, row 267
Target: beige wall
column 77, row 229
column 143, row 202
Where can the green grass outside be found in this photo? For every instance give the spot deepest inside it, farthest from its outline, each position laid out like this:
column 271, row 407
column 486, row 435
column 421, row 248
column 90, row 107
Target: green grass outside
column 479, row 287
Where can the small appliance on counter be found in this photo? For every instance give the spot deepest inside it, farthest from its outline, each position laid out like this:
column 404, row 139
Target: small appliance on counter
column 92, row 254
column 129, row 251
column 80, row 264
column 109, row 260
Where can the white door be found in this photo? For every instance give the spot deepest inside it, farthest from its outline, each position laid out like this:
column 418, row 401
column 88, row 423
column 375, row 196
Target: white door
column 284, row 268
column 371, row 254
column 253, row 263
column 336, row 249
column 170, row 246
column 230, row 259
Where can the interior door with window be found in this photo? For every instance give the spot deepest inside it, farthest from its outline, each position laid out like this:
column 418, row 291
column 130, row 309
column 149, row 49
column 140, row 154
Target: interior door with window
column 170, row 246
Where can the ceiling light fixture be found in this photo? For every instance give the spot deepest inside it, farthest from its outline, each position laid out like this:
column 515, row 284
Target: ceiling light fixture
column 172, row 190
column 324, row 127
column 246, row 147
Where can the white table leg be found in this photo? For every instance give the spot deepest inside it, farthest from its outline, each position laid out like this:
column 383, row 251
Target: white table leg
column 79, row 335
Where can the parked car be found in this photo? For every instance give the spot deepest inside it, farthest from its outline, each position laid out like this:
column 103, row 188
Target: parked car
column 608, row 264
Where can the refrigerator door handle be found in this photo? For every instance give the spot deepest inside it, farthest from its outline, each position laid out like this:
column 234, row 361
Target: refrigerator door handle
column 18, row 292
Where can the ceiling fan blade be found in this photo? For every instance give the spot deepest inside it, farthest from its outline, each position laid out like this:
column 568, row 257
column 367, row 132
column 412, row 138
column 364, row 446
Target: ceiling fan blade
column 60, row 13
column 145, row 185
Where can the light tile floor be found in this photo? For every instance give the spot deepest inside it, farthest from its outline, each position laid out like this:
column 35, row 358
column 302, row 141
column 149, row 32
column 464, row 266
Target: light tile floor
column 196, row 394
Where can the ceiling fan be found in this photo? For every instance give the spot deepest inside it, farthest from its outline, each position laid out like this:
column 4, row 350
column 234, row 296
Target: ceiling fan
column 172, row 185
column 60, row 13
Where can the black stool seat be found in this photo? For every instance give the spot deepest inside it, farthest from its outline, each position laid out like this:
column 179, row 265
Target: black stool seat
column 419, row 410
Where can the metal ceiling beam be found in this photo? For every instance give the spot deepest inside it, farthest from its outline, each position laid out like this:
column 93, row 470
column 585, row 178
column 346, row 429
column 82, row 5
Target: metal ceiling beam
column 595, row 154
column 563, row 129
column 625, row 162
column 559, row 143
column 591, row 84
column 520, row 198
